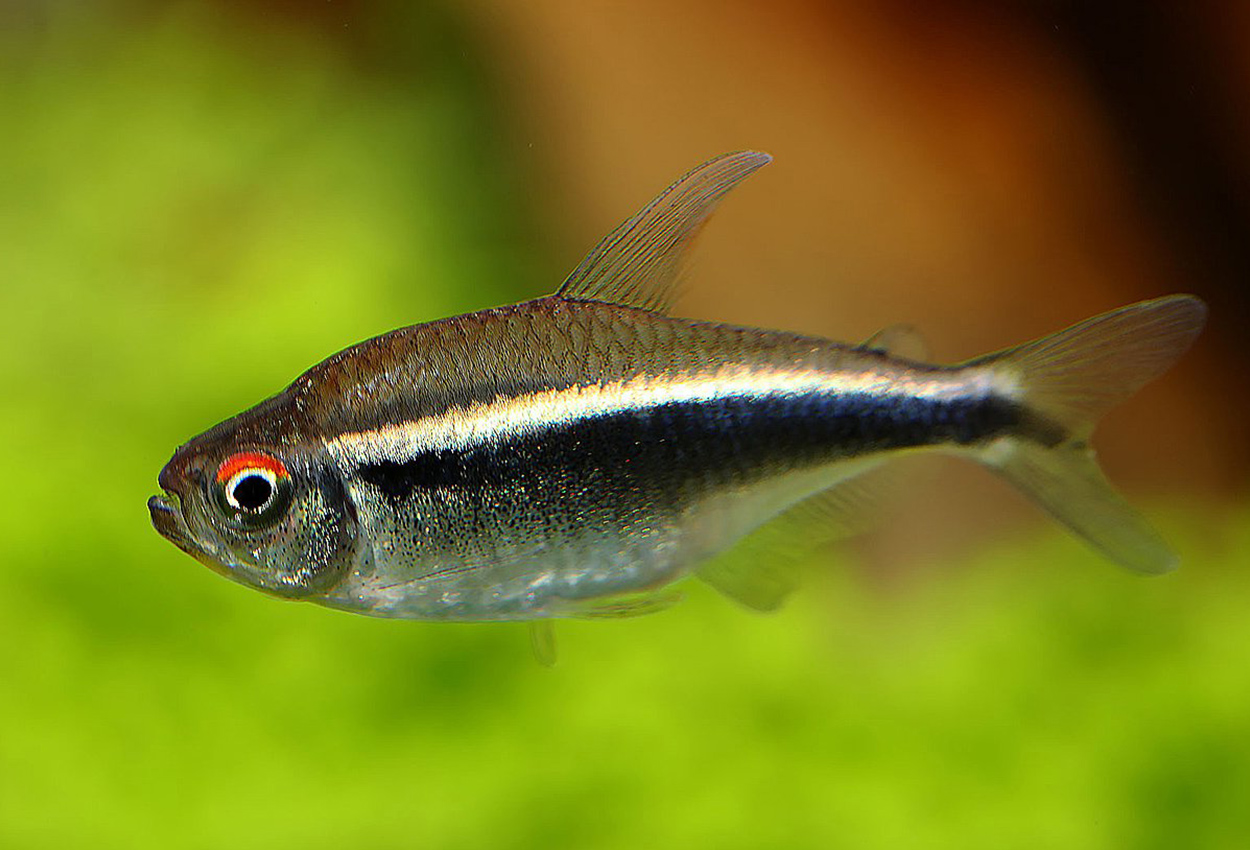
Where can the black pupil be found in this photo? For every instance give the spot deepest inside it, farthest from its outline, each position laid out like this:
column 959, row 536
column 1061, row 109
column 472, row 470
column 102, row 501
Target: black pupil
column 252, row 492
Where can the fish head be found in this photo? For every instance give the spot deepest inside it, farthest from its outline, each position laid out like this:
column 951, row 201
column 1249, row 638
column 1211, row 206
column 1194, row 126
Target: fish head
column 270, row 514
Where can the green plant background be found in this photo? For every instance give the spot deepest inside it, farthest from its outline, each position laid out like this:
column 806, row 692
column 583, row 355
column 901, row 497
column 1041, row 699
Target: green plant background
column 188, row 221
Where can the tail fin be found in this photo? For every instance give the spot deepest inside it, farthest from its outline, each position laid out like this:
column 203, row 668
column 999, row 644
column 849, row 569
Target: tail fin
column 1072, row 378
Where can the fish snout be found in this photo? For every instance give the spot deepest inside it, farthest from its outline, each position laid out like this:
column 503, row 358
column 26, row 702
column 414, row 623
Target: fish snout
column 173, row 476
column 175, row 479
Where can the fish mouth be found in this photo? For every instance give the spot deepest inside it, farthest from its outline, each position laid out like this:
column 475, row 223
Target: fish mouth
column 167, row 520
column 164, row 514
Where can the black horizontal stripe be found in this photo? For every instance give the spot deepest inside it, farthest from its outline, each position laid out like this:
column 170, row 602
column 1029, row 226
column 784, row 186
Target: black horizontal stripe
column 675, row 450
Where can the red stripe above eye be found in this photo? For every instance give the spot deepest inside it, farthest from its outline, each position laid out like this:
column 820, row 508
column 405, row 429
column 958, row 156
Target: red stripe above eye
column 249, row 460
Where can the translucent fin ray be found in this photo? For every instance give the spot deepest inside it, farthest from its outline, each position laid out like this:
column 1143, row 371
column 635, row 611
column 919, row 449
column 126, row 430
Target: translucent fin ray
column 638, row 263
column 1071, row 378
column 543, row 642
column 765, row 568
column 1076, row 375
column 753, row 576
column 1068, row 483
column 622, row 606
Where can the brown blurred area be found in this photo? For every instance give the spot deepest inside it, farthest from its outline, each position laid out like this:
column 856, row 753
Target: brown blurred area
column 988, row 172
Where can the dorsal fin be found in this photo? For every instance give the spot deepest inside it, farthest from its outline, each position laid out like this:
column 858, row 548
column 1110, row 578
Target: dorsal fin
column 637, row 264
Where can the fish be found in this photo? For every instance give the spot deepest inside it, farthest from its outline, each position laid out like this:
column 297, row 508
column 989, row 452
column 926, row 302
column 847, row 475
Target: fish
column 579, row 454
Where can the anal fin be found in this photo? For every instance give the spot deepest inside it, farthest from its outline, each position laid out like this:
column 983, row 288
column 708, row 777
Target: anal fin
column 759, row 580
column 764, row 568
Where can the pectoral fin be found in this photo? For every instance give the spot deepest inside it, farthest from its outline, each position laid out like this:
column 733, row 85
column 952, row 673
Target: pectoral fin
column 543, row 642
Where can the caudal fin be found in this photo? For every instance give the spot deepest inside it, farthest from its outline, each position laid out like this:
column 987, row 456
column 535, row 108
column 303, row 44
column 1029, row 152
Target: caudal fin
column 1070, row 379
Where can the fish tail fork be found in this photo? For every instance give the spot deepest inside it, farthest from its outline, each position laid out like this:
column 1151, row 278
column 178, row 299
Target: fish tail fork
column 1065, row 383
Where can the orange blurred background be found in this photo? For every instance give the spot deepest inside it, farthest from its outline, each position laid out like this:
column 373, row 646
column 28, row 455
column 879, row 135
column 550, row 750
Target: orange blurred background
column 986, row 172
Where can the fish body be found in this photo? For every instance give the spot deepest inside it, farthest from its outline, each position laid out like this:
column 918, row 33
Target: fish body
column 575, row 455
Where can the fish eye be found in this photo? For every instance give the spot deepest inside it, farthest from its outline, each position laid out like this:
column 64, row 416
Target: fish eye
column 252, row 488
column 251, row 491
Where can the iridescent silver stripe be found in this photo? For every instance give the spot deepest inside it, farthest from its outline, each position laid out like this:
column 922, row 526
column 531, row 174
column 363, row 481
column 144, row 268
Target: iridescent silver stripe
column 529, row 413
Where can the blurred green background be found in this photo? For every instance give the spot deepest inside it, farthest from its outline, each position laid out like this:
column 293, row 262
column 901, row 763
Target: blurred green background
column 197, row 202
